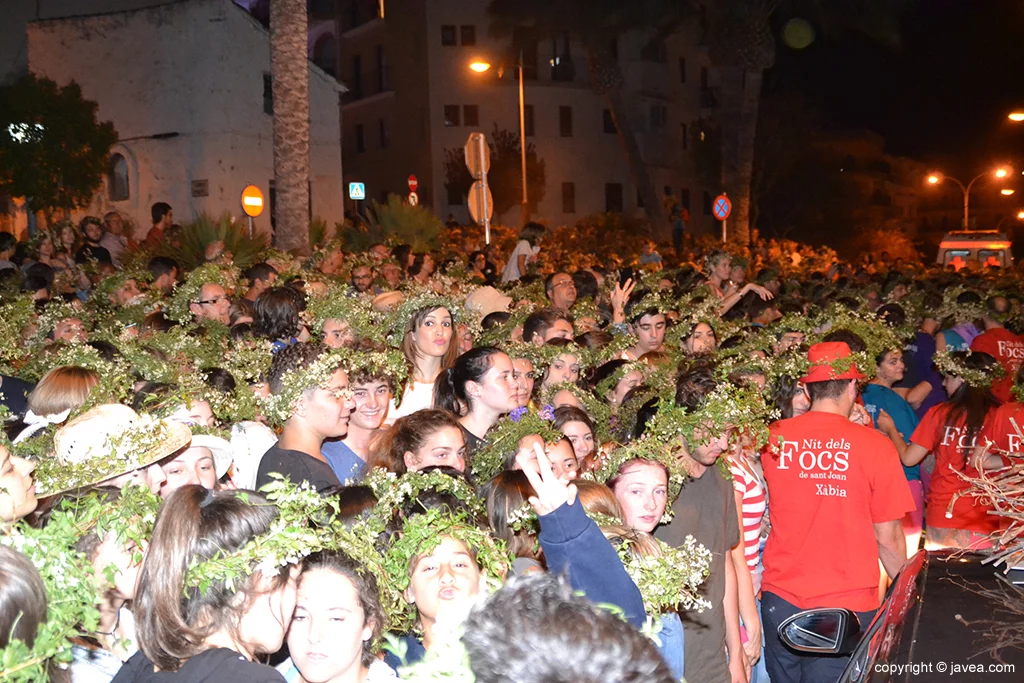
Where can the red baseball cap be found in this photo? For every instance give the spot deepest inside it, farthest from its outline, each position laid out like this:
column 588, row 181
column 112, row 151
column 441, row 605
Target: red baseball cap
column 822, row 356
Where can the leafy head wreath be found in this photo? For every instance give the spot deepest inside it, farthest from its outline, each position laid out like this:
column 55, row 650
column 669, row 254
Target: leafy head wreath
column 279, row 407
column 948, row 363
column 398, row 322
column 503, row 442
column 187, row 292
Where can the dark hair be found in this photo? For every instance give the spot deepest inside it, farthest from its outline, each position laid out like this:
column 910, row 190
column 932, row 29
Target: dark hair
column 22, row 598
column 595, row 340
column 408, row 434
column 829, row 389
column 219, row 379
column 353, row 502
column 852, row 339
column 294, row 357
column 87, row 221
column 401, row 254
column 7, row 241
column 506, row 493
column 240, row 332
column 157, row 321
column 554, row 631
column 408, row 345
column 196, row 525
column 566, row 414
column 259, row 271
column 369, row 373
column 42, row 270
column 694, row 384
column 472, row 257
column 532, row 232
column 161, row 265
column 158, row 211
column 541, row 320
column 892, row 314
column 367, row 593
column 586, row 284
column 276, row 314
column 492, row 320
column 551, row 277
column 450, row 387
column 240, row 308
column 971, row 404
column 417, row 263
column 603, row 372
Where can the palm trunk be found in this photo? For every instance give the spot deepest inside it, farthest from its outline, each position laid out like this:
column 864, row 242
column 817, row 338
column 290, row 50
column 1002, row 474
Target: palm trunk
column 660, row 226
column 290, row 83
column 740, row 98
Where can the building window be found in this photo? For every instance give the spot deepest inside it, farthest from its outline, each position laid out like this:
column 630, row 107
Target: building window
column 682, row 69
column 526, row 46
column 668, row 190
column 639, row 199
column 528, row 121
column 707, row 203
column 268, row 95
column 455, row 197
column 655, row 51
column 703, row 78
column 613, row 197
column 565, row 122
column 382, row 70
column 383, row 134
column 468, row 35
column 659, row 118
column 117, row 178
column 471, row 115
column 609, row 123
column 562, row 67
column 568, row 198
column 360, row 139
column 451, row 116
column 686, row 136
column 356, row 82
column 684, row 197
column 448, row 35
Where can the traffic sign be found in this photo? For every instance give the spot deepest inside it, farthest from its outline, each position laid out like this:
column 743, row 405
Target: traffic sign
column 478, row 155
column 481, row 203
column 357, row 191
column 414, row 184
column 722, row 207
column 252, row 201
column 414, row 199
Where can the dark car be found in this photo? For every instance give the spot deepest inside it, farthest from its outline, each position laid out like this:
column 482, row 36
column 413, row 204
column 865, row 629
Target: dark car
column 947, row 616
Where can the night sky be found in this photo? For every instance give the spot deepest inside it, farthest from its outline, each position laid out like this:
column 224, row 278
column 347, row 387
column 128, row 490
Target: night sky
column 941, row 97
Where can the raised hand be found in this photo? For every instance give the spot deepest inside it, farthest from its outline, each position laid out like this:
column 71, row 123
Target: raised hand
column 552, row 491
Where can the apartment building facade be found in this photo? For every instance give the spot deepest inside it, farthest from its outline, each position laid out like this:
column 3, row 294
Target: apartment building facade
column 412, row 96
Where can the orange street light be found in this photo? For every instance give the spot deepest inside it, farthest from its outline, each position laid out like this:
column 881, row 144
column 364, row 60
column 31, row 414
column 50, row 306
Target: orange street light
column 480, row 66
column 1020, row 215
column 934, row 179
column 1016, row 116
column 1002, row 172
column 1006, row 192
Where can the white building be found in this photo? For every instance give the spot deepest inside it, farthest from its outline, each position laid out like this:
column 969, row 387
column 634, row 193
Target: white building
column 187, row 86
column 412, row 96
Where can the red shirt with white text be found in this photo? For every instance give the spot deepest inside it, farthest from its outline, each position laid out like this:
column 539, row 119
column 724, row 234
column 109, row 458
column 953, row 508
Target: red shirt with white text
column 1008, row 349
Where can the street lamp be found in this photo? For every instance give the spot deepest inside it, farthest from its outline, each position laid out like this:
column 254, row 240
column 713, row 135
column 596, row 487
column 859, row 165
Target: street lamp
column 1016, row 116
column 1020, row 217
column 1006, row 192
column 481, row 66
column 936, row 178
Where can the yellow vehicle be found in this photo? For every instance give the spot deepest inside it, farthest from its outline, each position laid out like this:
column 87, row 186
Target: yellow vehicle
column 963, row 248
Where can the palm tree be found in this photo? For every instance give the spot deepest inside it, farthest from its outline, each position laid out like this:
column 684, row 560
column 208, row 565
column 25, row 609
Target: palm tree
column 742, row 45
column 598, row 24
column 289, row 72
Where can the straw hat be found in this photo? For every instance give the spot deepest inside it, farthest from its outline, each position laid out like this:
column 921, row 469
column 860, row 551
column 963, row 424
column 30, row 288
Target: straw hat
column 106, row 442
column 223, row 455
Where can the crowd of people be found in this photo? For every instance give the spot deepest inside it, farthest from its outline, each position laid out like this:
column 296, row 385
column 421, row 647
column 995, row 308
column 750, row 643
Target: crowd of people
column 460, row 465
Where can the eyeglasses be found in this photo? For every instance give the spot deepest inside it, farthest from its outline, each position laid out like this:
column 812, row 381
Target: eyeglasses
column 212, row 302
column 563, row 283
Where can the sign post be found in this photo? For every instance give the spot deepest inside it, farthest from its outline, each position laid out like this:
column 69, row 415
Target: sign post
column 722, row 208
column 414, row 184
column 478, row 161
column 252, row 204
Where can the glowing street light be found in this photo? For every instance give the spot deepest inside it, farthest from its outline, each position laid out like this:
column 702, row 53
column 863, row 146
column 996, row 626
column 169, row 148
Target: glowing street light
column 1020, row 215
column 1006, row 192
column 1017, row 116
column 1001, row 172
column 480, row 66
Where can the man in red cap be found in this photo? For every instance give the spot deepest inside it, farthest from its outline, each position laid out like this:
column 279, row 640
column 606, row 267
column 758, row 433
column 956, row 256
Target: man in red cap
column 837, row 497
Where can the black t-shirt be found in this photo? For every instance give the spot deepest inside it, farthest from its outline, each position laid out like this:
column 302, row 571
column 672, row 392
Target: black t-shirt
column 90, row 251
column 473, row 443
column 14, row 392
column 212, row 666
column 297, row 466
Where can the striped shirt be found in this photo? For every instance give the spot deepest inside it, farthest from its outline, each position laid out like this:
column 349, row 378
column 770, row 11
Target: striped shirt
column 747, row 483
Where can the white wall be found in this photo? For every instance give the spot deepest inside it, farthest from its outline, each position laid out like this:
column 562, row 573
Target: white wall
column 194, row 68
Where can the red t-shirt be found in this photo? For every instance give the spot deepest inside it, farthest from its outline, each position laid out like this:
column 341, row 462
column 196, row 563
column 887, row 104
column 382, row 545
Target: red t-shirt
column 1008, row 349
column 999, row 431
column 829, row 481
column 952, row 451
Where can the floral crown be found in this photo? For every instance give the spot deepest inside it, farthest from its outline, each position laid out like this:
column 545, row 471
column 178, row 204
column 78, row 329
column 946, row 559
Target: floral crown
column 648, row 448
column 958, row 312
column 422, row 533
column 398, row 322
column 608, row 384
column 185, row 293
column 335, row 304
column 503, row 442
column 56, row 310
column 393, row 491
column 670, row 580
column 279, row 407
column 69, row 574
column 948, row 364
column 501, row 334
column 600, row 413
column 724, row 408
column 15, row 315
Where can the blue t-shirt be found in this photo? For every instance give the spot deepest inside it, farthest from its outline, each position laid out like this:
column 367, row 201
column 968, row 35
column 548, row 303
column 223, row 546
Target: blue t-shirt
column 347, row 465
column 918, row 358
column 876, row 397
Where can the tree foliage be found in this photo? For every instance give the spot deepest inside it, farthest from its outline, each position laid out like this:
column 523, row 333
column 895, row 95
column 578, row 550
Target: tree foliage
column 506, row 175
column 394, row 222
column 53, row 151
